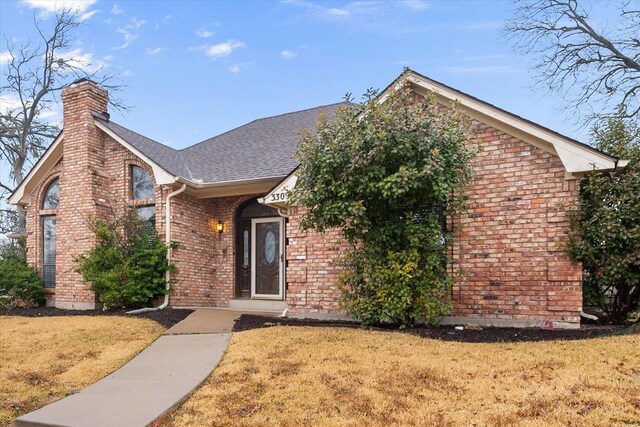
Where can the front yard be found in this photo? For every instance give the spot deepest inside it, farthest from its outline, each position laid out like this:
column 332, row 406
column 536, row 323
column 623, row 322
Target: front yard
column 336, row 376
column 44, row 359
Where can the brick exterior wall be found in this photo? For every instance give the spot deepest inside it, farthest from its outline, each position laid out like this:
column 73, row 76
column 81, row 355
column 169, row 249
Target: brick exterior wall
column 508, row 247
column 205, row 259
column 98, row 184
column 311, row 267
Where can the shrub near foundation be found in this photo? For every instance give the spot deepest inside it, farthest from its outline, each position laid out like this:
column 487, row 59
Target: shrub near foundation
column 20, row 284
column 127, row 266
column 388, row 174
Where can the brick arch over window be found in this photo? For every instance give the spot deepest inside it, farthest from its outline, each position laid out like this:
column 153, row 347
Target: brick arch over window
column 145, row 206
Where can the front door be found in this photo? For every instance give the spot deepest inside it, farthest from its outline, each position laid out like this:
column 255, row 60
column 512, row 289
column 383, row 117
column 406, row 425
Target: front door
column 267, row 258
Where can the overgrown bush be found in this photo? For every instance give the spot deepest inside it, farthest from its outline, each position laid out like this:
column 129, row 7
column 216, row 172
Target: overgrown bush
column 387, row 173
column 20, row 284
column 127, row 265
column 605, row 225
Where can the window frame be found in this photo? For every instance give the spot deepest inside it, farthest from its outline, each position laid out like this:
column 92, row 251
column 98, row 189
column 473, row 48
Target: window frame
column 44, row 214
column 45, row 193
column 132, row 182
column 141, row 203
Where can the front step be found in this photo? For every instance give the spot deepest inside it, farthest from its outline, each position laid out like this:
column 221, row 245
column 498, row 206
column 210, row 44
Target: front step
column 258, row 305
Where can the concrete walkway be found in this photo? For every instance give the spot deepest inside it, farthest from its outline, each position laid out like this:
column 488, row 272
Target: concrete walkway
column 149, row 385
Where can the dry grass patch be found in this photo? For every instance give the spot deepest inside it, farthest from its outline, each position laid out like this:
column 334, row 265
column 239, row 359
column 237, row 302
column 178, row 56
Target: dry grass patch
column 44, row 359
column 323, row 376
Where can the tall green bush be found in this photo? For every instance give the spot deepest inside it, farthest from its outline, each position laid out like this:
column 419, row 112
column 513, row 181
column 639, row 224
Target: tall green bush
column 604, row 230
column 20, row 284
column 126, row 267
column 387, row 173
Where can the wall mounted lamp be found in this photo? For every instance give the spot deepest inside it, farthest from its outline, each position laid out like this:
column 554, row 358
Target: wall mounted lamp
column 216, row 226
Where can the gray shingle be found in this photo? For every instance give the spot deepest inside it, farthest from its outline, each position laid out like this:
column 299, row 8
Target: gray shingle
column 166, row 157
column 260, row 149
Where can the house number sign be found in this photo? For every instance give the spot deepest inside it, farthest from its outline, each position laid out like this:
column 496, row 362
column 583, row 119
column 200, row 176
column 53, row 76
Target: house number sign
column 278, row 197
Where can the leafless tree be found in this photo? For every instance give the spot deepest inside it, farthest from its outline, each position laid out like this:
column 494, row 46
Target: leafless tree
column 31, row 80
column 591, row 62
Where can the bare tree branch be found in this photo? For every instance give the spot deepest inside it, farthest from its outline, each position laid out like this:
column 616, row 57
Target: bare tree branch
column 579, row 59
column 35, row 75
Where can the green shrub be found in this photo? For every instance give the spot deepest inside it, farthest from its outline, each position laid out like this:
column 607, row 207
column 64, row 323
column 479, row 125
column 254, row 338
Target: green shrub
column 387, row 174
column 604, row 232
column 20, row 284
column 127, row 265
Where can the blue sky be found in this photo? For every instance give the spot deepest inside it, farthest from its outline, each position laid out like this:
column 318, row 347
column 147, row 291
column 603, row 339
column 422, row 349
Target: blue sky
column 194, row 69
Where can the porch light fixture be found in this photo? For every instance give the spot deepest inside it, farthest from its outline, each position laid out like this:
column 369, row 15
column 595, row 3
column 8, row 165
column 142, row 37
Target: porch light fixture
column 216, row 226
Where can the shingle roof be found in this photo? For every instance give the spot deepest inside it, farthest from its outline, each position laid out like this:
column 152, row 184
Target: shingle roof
column 260, row 149
column 166, row 157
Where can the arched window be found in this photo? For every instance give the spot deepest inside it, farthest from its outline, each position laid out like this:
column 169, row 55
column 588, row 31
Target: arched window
column 50, row 201
column 141, row 184
column 51, row 195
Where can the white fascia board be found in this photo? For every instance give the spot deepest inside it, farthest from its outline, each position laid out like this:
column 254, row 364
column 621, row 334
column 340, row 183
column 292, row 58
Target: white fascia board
column 574, row 157
column 22, row 195
column 202, row 190
column 161, row 176
column 279, row 196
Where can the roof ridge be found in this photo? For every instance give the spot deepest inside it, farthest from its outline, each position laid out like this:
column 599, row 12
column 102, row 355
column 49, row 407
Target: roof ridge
column 261, row 119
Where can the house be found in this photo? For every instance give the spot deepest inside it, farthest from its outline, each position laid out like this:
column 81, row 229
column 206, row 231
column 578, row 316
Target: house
column 224, row 200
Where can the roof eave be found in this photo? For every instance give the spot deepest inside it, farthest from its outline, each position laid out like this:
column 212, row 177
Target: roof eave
column 239, row 187
column 21, row 196
column 575, row 156
column 161, row 175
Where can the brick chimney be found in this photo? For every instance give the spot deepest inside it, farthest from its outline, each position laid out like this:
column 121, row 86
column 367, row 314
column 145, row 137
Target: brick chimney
column 83, row 155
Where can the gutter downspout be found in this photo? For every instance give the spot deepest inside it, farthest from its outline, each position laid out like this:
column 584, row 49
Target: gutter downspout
column 167, row 239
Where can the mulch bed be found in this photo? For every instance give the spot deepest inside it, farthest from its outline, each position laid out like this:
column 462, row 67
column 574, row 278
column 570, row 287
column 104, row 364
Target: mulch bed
column 167, row 317
column 445, row 333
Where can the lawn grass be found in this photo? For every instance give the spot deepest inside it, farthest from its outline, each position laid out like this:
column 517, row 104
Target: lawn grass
column 44, row 359
column 295, row 376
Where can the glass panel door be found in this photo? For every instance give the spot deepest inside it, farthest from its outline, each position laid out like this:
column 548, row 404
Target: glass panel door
column 268, row 257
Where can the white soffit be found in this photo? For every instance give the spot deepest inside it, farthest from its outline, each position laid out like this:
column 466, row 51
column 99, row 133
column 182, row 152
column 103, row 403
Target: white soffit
column 22, row 195
column 574, row 156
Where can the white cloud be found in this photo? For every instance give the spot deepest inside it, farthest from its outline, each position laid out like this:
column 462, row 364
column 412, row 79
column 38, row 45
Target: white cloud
column 135, row 24
column 235, row 68
column 51, row 6
column 288, row 54
column 116, row 10
column 128, row 32
column 154, row 51
column 128, row 39
column 335, row 13
column 83, row 60
column 221, row 49
column 85, row 16
column 416, row 4
column 204, row 33
column 9, row 102
column 5, row 57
